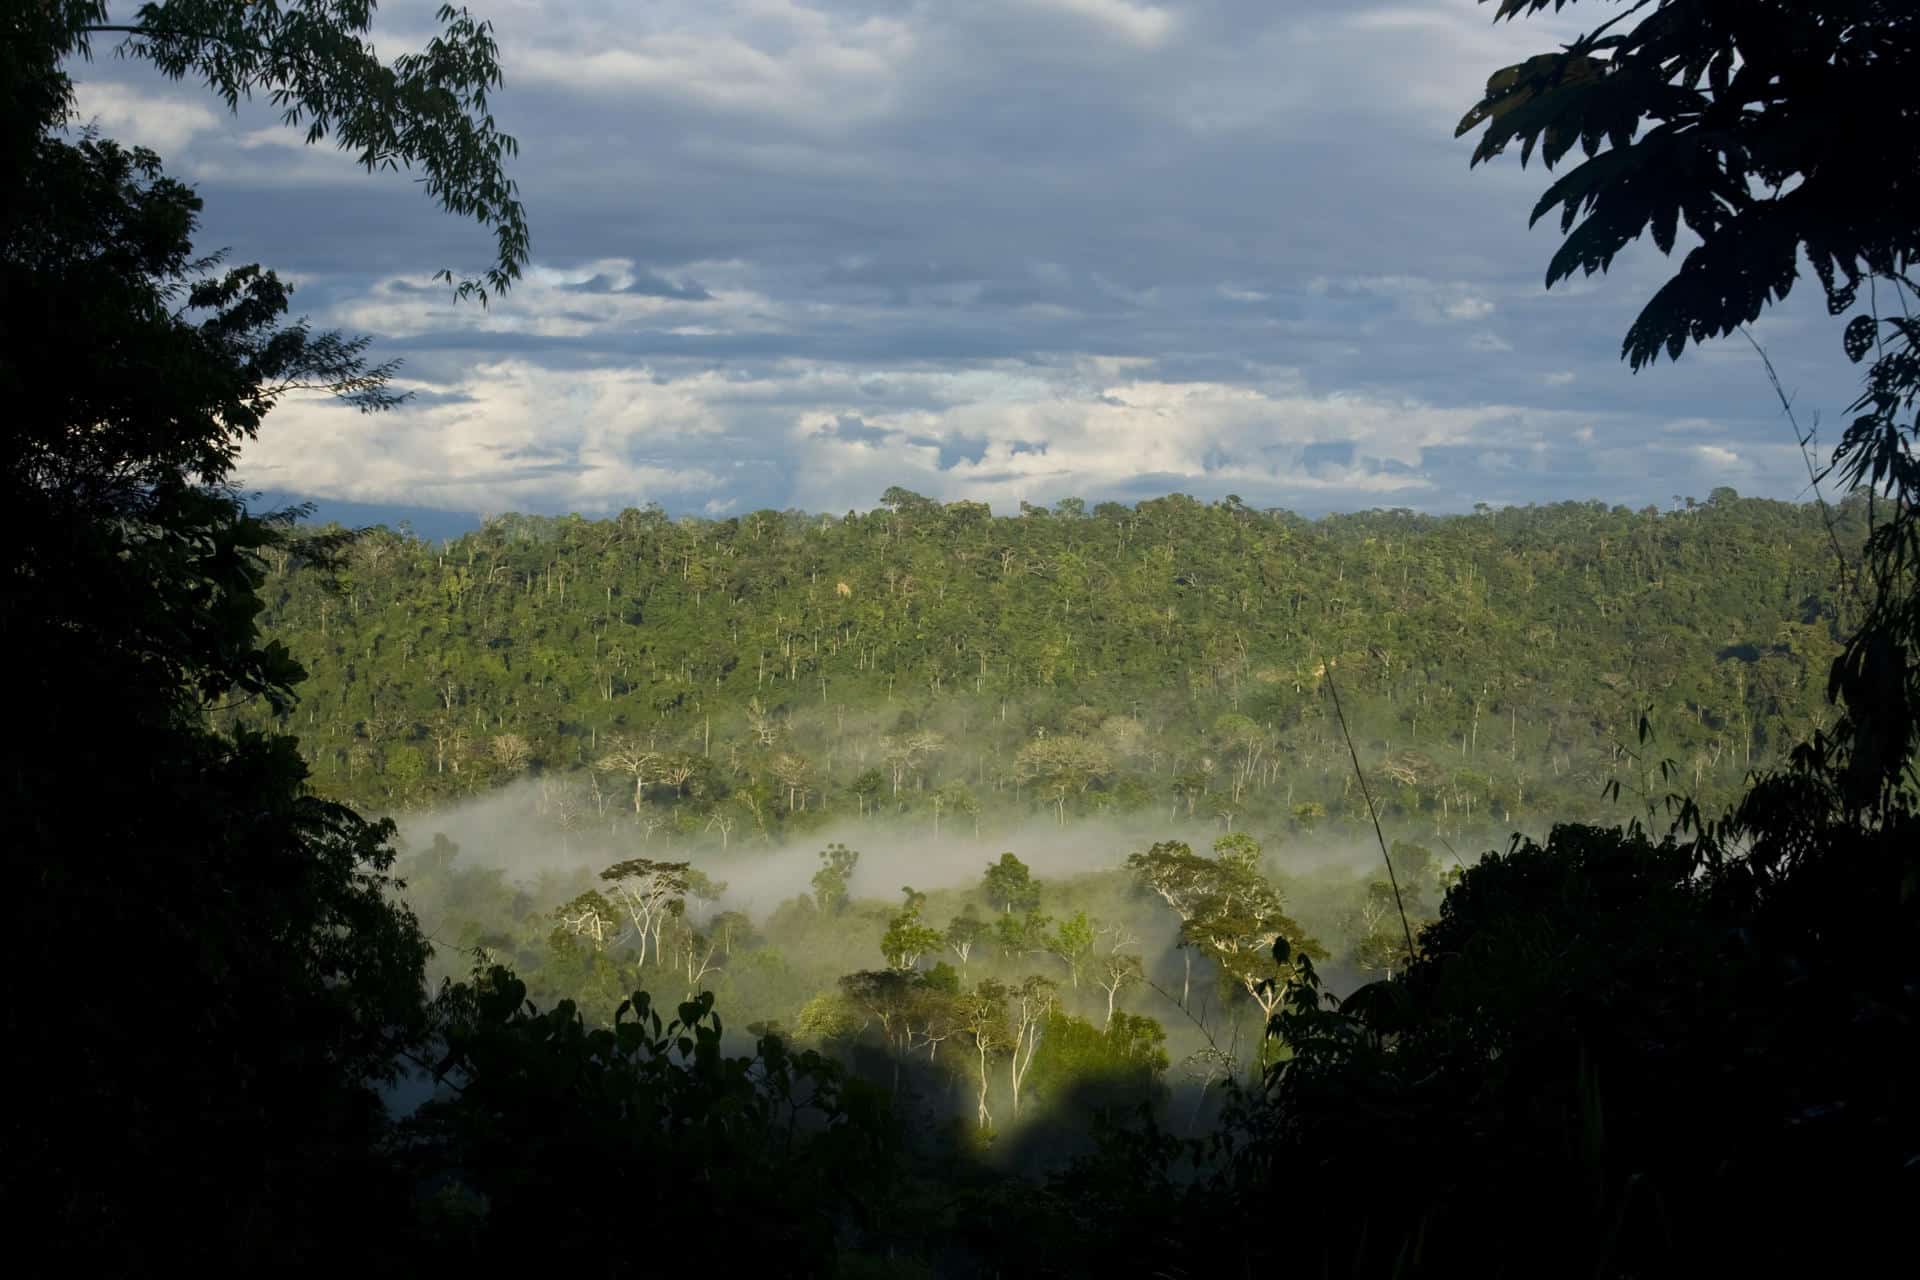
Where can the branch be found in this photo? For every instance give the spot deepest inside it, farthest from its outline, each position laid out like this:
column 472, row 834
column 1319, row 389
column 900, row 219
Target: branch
column 1372, row 812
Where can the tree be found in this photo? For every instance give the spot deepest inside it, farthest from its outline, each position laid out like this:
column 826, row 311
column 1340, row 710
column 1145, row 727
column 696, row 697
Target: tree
column 1114, row 973
column 795, row 773
column 1227, row 912
column 589, row 915
column 278, row 980
column 895, row 999
column 981, row 1016
column 1073, row 942
column 1028, row 1007
column 1697, row 114
column 1010, row 886
column 954, row 797
column 1064, row 765
column 831, row 880
column 652, row 893
column 867, row 787
column 907, row 753
column 1099, row 1069
column 628, row 756
column 510, row 751
column 907, row 939
column 965, row 932
column 649, row 1098
column 1022, row 935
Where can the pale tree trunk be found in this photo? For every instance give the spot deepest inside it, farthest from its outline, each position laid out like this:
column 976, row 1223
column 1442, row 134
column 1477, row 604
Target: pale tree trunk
column 1020, row 1061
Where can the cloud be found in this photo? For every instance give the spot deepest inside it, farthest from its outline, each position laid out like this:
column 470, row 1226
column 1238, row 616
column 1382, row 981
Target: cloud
column 598, row 440
column 139, row 116
column 1138, row 24
column 791, row 252
column 650, row 284
column 801, row 64
column 1423, row 300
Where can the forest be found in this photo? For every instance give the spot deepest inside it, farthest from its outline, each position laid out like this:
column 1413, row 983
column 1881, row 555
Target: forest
column 1173, row 889
column 940, row 668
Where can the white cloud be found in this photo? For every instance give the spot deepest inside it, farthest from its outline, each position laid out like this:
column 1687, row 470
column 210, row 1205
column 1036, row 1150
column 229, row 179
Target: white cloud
column 1466, row 307
column 1140, row 24
column 126, row 113
column 770, row 59
column 513, row 434
column 799, row 250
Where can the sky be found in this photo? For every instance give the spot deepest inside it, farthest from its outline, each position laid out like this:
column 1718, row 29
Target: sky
column 787, row 255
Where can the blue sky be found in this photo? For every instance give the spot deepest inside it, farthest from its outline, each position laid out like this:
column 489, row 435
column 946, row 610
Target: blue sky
column 788, row 254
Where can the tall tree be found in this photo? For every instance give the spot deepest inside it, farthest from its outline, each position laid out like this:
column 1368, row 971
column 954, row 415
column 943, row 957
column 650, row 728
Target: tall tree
column 1010, row 886
column 831, row 882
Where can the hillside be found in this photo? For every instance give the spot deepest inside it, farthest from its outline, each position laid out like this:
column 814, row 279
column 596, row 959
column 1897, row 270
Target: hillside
column 722, row 680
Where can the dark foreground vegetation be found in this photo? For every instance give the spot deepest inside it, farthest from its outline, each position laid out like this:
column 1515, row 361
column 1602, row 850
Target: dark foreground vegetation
column 1611, row 1052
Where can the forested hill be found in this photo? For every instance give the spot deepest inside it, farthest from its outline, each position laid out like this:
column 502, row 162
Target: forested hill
column 939, row 663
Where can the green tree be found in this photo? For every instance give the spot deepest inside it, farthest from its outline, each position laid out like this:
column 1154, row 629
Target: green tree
column 981, row 1016
column 1099, row 1069
column 1009, row 885
column 830, row 882
column 651, row 893
column 867, row 788
column 964, row 932
column 907, row 938
column 1073, row 943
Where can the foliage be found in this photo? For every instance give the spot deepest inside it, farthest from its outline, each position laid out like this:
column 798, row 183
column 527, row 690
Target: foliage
column 830, row 881
column 219, row 979
column 1085, row 1067
column 1228, row 912
column 1610, row 1054
column 907, row 938
column 1010, row 886
column 212, row 953
column 1538, row 1041
column 565, row 1134
column 312, row 60
column 1767, row 129
column 1772, row 131
column 1168, row 651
